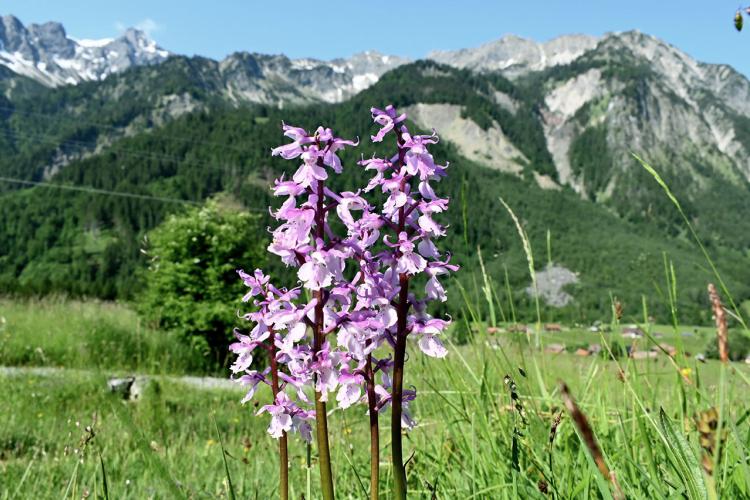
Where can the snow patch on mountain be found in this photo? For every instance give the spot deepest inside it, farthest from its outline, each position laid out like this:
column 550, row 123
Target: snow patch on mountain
column 45, row 53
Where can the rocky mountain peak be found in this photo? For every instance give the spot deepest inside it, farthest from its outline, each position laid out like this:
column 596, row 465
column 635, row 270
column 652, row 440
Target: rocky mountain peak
column 14, row 37
column 45, row 53
column 51, row 38
column 268, row 78
column 514, row 55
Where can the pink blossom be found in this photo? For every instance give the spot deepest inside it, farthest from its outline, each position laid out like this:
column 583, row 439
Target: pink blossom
column 387, row 119
column 293, row 149
column 382, row 238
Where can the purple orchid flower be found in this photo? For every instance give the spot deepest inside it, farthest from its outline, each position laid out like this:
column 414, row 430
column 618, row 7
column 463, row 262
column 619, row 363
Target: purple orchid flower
column 358, row 274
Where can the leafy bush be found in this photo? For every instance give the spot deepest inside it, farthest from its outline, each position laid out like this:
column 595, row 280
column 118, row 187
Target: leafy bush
column 191, row 282
column 739, row 346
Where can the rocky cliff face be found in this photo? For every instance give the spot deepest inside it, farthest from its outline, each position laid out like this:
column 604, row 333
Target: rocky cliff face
column 276, row 79
column 516, row 56
column 599, row 100
column 635, row 93
column 46, row 54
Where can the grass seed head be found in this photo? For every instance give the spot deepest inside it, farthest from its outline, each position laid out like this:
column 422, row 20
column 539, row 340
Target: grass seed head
column 515, row 399
column 618, row 310
column 707, row 423
column 720, row 317
column 553, row 429
column 543, row 487
column 587, row 433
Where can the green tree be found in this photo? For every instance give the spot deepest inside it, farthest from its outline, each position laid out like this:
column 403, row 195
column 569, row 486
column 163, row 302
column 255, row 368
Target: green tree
column 191, row 283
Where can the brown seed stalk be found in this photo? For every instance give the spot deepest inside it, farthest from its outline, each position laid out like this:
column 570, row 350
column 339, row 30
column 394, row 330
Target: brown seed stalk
column 722, row 336
column 589, row 438
column 618, row 310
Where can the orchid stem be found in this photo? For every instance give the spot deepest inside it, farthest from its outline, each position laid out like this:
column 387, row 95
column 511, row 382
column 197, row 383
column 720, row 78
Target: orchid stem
column 283, row 450
column 399, row 471
column 321, row 418
column 374, row 431
column 397, row 454
column 324, row 454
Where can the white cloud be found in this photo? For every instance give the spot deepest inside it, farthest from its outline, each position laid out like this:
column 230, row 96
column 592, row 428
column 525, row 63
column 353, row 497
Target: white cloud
column 147, row 25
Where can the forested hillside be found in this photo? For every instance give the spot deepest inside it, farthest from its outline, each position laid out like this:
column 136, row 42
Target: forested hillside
column 82, row 243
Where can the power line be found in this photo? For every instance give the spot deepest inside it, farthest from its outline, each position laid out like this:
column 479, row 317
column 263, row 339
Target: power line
column 122, row 194
column 39, row 138
column 92, row 190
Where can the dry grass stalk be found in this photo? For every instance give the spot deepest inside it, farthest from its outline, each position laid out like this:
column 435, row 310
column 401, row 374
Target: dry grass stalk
column 618, row 310
column 587, row 433
column 619, row 495
column 721, row 323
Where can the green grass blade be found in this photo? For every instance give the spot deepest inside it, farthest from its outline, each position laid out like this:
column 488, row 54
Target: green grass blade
column 224, row 458
column 651, row 170
column 72, row 480
column 104, row 478
column 683, row 459
column 151, row 458
column 530, row 261
column 23, row 479
column 601, row 482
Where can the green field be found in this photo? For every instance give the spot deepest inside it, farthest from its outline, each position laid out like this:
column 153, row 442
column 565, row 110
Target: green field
column 88, row 335
column 470, row 441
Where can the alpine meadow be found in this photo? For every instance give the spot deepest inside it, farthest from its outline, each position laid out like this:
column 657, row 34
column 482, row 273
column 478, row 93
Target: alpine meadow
column 518, row 270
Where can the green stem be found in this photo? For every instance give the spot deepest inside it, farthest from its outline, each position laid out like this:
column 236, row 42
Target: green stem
column 283, row 449
column 321, row 417
column 283, row 468
column 374, row 431
column 324, row 454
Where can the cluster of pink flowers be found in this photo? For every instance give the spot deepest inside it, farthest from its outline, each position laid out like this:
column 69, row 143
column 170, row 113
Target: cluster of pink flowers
column 358, row 280
column 279, row 326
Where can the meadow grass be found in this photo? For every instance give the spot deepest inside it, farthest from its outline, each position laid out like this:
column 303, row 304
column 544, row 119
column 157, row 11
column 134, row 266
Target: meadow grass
column 89, row 335
column 492, row 419
column 471, row 440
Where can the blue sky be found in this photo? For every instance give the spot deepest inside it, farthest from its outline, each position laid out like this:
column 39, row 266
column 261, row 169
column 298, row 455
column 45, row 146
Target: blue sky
column 334, row 28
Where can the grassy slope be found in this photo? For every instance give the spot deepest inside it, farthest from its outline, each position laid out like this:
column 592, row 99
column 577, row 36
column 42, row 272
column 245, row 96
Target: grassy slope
column 88, row 335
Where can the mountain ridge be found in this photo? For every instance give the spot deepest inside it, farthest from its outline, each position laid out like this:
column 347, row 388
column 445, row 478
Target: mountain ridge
column 46, row 54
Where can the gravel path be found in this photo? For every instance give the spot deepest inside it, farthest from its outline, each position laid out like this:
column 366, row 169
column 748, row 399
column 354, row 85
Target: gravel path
column 207, row 383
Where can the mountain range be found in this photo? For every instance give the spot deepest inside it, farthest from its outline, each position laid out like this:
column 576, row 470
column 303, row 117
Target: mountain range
column 558, row 121
column 46, row 54
column 717, row 96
